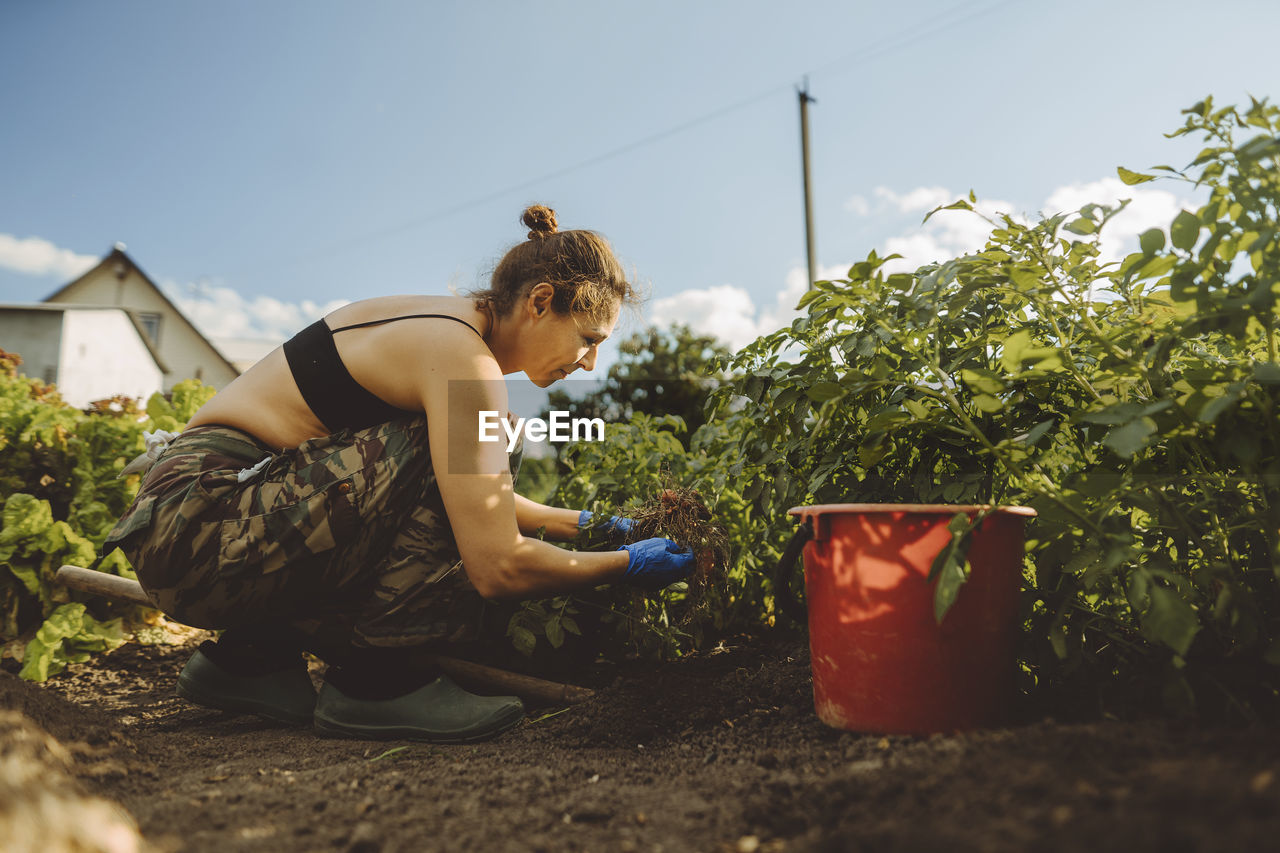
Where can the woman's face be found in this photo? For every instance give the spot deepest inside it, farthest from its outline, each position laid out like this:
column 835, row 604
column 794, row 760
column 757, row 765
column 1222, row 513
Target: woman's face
column 559, row 344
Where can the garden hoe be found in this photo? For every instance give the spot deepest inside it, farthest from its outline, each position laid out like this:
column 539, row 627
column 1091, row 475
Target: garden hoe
column 464, row 672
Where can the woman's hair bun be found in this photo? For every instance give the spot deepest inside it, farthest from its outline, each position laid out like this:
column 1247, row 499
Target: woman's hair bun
column 540, row 220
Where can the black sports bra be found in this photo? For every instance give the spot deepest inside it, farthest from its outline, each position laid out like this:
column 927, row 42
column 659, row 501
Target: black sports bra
column 332, row 394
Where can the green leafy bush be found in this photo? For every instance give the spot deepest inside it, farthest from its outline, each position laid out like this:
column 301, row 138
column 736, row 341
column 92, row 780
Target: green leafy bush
column 1132, row 404
column 61, row 496
column 637, row 461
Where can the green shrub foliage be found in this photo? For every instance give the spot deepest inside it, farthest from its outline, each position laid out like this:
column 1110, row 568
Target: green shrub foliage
column 639, row 459
column 61, row 496
column 1132, row 404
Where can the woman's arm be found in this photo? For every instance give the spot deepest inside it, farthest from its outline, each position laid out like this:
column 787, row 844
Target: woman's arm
column 458, row 380
column 561, row 524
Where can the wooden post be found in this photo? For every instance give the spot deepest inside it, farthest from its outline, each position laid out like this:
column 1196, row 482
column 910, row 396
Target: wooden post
column 810, row 253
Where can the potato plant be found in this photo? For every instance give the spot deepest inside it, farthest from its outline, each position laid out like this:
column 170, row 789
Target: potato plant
column 1132, row 404
column 641, row 461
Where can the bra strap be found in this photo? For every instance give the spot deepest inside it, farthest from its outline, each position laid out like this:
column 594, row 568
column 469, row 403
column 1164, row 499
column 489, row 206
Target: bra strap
column 408, row 317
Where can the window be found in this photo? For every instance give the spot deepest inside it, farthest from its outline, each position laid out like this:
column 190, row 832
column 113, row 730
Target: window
column 150, row 323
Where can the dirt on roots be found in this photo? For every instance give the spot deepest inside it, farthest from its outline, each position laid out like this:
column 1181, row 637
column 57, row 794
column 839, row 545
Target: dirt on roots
column 716, row 752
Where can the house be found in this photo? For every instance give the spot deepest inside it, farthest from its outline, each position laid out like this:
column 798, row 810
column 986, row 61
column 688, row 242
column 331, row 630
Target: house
column 119, row 282
column 111, row 331
column 90, row 353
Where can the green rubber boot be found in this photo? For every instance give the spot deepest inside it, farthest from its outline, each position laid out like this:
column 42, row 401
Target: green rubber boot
column 285, row 696
column 440, row 712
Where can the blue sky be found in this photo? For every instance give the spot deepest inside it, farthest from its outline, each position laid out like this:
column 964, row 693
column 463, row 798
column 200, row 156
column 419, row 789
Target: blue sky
column 266, row 160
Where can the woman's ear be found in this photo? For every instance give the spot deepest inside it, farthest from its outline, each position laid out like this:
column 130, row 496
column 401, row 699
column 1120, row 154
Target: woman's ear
column 538, row 303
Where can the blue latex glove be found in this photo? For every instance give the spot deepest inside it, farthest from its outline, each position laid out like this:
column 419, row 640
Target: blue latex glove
column 656, row 563
column 616, row 527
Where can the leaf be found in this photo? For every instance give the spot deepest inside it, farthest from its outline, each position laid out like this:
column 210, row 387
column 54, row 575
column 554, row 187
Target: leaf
column 522, row 639
column 1272, row 655
column 1036, row 432
column 950, row 568
column 1025, row 280
column 1151, row 241
column 1128, row 439
column 1132, row 178
column 950, row 579
column 103, row 636
column 570, row 625
column 1014, row 346
column 820, row 392
column 555, row 633
column 1218, row 405
column 29, row 577
column 987, row 403
column 44, row 653
column 1118, row 413
column 917, row 409
column 24, row 517
column 1184, row 231
column 982, row 380
column 873, row 448
column 37, row 661
column 1266, row 371
column 1170, row 620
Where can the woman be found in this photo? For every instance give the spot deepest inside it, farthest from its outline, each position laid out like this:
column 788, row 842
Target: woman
column 322, row 500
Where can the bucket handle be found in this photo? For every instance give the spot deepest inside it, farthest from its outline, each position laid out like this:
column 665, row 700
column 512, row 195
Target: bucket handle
column 782, row 593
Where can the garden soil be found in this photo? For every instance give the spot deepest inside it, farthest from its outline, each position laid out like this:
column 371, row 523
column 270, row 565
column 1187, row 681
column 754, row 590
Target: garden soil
column 719, row 751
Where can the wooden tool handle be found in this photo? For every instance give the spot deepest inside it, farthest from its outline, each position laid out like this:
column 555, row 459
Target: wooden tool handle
column 480, row 677
column 466, row 673
column 113, row 587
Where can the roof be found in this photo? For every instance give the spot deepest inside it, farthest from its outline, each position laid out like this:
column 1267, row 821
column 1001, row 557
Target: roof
column 117, row 255
column 41, row 306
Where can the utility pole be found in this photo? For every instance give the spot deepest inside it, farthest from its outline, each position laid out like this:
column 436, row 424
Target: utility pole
column 808, row 191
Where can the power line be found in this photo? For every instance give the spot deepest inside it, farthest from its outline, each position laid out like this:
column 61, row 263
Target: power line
column 583, row 164
column 946, row 21
column 904, row 38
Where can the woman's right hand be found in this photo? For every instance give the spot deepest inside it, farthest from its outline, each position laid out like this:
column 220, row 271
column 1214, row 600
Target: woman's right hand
column 656, row 563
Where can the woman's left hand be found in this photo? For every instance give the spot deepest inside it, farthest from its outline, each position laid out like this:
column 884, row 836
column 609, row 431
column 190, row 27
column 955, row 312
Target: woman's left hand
column 616, row 527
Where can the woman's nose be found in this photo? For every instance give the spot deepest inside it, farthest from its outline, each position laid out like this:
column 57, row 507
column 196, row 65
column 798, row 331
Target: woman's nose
column 588, row 361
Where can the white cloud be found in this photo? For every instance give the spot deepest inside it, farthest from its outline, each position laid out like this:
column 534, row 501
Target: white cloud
column 859, row 205
column 36, row 256
column 951, row 233
column 724, row 311
column 230, row 319
column 783, row 310
column 1148, row 208
column 920, row 198
column 729, row 313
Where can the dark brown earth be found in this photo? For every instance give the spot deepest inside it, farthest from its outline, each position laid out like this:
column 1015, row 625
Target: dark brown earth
column 719, row 751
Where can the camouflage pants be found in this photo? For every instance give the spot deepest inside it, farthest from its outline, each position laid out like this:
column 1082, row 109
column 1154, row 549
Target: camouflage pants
column 344, row 538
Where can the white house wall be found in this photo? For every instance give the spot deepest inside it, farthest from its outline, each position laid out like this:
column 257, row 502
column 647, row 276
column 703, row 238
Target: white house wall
column 101, row 356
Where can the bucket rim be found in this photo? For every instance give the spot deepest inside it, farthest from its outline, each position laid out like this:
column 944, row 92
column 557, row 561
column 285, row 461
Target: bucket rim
column 931, row 509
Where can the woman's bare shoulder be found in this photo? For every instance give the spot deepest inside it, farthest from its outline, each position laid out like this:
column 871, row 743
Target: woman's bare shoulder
column 397, row 361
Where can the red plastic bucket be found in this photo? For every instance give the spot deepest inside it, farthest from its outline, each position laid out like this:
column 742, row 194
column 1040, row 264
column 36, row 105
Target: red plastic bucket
column 881, row 661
